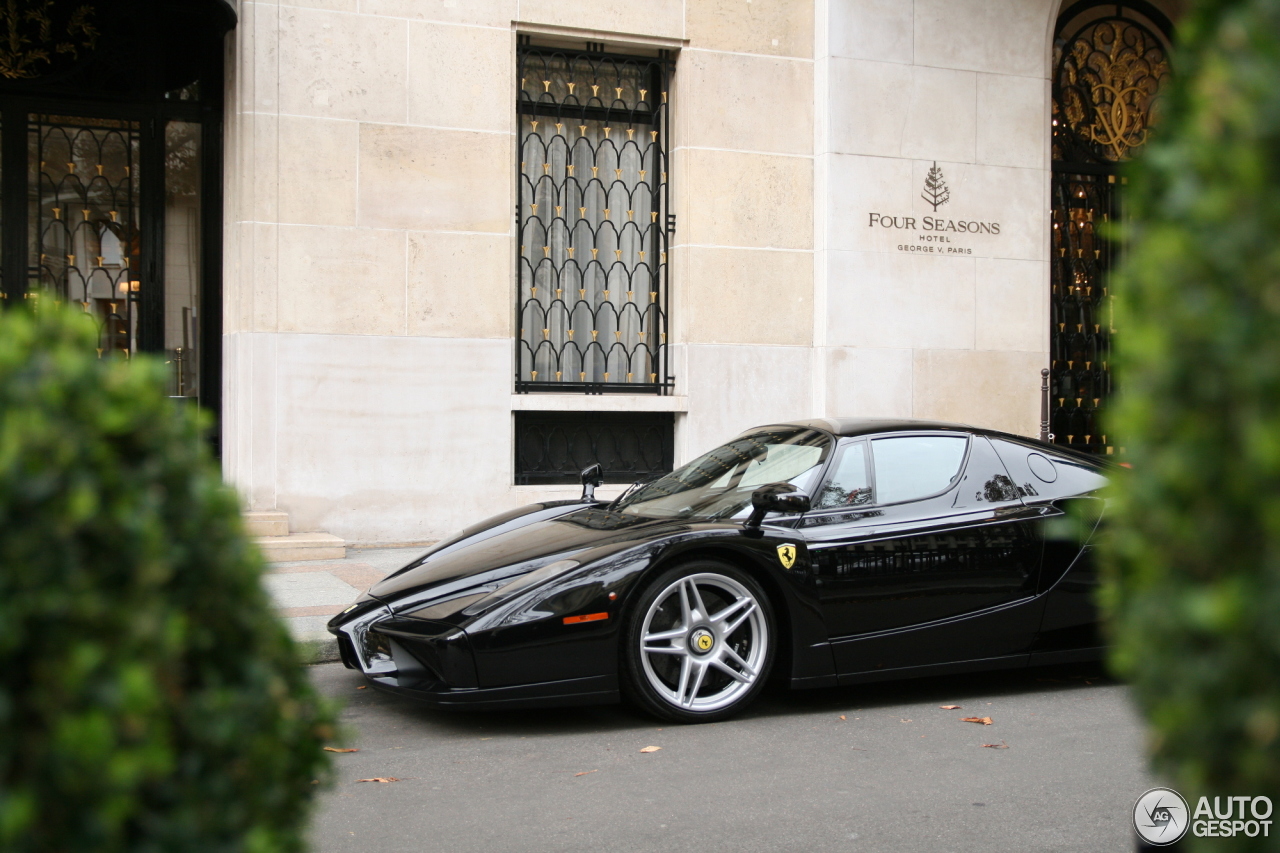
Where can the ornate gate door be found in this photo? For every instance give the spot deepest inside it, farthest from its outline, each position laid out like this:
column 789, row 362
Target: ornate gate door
column 1110, row 63
column 110, row 173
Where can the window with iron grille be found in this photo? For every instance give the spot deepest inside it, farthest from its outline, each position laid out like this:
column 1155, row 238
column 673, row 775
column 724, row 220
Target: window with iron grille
column 593, row 222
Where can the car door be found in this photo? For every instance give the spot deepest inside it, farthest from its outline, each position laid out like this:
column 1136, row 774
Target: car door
column 1064, row 491
column 932, row 557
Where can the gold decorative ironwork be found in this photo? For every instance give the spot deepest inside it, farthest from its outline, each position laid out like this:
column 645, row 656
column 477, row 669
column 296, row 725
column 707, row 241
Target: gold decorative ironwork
column 28, row 41
column 1109, row 74
column 1109, row 79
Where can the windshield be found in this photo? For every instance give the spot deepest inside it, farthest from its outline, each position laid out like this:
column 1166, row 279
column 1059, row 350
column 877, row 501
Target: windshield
column 719, row 484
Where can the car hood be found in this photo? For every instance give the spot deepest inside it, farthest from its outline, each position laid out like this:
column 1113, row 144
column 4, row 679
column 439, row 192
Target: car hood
column 524, row 549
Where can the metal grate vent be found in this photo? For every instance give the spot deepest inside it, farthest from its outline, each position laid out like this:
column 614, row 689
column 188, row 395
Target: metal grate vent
column 554, row 447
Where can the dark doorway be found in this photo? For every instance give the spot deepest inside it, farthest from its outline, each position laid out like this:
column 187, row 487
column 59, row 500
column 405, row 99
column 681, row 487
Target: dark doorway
column 110, row 173
column 1110, row 65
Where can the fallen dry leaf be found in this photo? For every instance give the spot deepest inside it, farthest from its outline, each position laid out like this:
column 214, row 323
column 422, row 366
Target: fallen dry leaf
column 651, row 749
column 338, row 749
column 986, row 721
column 949, row 707
column 585, row 772
column 843, row 717
column 1000, row 745
column 380, row 779
column 363, row 687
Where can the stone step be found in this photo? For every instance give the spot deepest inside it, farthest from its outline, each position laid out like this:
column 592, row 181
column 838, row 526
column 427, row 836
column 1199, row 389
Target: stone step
column 302, row 546
column 270, row 523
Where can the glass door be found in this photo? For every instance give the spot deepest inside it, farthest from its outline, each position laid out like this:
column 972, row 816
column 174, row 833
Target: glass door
column 114, row 214
column 183, row 257
column 110, row 171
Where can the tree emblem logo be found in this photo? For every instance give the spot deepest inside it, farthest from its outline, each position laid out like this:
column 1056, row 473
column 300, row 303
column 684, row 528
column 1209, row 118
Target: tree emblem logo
column 1160, row 816
column 935, row 188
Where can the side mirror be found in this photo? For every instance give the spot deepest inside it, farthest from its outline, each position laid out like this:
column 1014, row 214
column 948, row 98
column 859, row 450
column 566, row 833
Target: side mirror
column 775, row 497
column 591, row 477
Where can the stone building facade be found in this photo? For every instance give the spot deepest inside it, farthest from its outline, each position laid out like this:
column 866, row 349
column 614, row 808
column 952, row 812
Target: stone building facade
column 853, row 218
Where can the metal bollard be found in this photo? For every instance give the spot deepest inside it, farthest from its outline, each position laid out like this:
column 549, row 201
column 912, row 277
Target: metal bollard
column 1044, row 406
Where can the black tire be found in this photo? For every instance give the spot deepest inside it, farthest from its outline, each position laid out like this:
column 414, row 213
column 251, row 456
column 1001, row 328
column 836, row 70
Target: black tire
column 686, row 672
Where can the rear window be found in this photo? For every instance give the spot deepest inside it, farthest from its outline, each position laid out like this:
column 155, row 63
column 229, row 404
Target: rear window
column 1039, row 471
column 915, row 466
column 1076, row 477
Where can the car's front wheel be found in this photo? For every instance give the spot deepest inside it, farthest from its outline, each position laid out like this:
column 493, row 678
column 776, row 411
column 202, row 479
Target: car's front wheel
column 699, row 643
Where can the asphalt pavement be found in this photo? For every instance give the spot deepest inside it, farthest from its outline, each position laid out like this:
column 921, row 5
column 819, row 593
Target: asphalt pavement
column 879, row 767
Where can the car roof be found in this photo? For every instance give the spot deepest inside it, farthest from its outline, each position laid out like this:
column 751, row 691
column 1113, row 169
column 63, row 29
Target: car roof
column 849, row 427
column 865, row 426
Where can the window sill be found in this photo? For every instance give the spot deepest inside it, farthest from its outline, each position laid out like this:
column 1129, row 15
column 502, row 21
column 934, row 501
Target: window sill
column 598, row 403
column 537, row 494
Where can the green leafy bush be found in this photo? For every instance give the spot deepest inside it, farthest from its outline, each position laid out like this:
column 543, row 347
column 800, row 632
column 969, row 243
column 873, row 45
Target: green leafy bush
column 1194, row 561
column 149, row 698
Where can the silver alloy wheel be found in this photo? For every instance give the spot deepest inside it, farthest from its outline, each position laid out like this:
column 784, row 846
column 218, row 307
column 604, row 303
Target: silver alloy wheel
column 703, row 642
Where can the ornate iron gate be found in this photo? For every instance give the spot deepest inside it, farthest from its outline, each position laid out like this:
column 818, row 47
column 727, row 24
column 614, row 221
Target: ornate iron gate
column 1110, row 63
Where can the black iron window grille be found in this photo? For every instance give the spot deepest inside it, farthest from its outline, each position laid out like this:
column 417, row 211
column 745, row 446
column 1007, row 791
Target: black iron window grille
column 554, row 447
column 593, row 222
column 1110, row 64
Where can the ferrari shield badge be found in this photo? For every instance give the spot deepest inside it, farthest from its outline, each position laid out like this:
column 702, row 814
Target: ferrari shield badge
column 787, row 555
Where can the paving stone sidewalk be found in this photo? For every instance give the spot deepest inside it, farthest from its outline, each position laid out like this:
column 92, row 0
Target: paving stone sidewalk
column 308, row 594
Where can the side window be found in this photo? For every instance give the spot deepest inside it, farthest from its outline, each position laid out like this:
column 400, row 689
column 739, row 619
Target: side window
column 914, row 466
column 848, row 484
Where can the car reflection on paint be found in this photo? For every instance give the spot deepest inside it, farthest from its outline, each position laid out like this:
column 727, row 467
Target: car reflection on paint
column 813, row 554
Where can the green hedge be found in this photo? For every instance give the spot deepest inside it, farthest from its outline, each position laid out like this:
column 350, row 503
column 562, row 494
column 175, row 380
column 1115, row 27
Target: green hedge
column 150, row 700
column 1194, row 563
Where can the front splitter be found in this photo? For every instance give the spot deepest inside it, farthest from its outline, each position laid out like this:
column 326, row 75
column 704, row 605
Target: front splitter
column 593, row 690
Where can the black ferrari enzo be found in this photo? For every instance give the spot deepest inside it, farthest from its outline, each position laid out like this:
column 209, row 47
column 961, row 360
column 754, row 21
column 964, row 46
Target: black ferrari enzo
column 816, row 553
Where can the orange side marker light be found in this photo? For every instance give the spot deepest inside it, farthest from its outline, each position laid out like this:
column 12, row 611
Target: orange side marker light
column 587, row 617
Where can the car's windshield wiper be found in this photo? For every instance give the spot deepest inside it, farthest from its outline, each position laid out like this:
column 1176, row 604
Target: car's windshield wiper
column 632, row 489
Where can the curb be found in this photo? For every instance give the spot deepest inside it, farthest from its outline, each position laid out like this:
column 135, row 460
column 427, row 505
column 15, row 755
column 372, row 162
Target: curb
column 319, row 651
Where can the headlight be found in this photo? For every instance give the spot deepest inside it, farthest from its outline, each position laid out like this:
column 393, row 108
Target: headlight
column 521, row 583
column 446, row 608
column 376, row 646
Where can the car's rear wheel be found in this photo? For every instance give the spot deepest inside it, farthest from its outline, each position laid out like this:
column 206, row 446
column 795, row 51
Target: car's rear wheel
column 699, row 642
